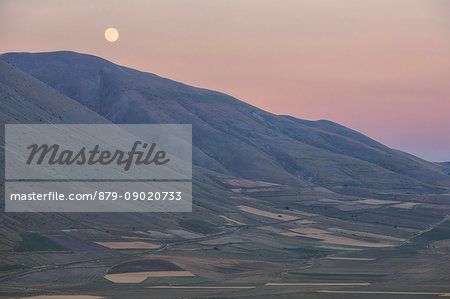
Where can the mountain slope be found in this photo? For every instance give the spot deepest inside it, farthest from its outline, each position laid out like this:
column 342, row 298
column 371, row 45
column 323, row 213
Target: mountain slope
column 445, row 166
column 26, row 100
column 233, row 137
column 241, row 232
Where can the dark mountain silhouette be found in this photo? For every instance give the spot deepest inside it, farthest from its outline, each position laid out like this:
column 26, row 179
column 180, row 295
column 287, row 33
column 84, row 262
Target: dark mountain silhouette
column 232, row 137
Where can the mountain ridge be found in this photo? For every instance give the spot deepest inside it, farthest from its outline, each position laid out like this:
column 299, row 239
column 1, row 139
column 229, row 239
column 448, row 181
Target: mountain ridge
column 330, row 209
column 284, row 149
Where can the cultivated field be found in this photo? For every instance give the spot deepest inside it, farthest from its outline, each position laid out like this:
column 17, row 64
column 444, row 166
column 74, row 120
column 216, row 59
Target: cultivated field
column 128, row 245
column 137, row 277
column 267, row 214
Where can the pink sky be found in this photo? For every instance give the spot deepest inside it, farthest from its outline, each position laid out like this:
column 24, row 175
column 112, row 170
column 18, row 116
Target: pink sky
column 381, row 67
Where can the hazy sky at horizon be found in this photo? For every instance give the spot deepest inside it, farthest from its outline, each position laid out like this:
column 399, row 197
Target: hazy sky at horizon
column 381, row 67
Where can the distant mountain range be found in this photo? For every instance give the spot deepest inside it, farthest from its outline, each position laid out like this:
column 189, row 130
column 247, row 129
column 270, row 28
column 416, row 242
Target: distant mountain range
column 230, row 137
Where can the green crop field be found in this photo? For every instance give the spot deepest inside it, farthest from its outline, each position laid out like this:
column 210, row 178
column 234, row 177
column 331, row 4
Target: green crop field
column 32, row 241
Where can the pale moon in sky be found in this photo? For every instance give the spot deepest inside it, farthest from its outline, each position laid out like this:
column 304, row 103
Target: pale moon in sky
column 111, row 34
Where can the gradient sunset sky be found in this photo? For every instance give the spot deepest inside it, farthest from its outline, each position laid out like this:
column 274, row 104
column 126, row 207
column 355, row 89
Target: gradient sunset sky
column 381, row 67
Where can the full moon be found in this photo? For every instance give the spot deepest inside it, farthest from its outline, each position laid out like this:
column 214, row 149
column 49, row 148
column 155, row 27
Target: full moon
column 111, row 34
